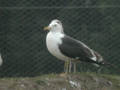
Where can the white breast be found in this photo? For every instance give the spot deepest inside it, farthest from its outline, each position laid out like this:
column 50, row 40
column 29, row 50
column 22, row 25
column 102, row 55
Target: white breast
column 52, row 41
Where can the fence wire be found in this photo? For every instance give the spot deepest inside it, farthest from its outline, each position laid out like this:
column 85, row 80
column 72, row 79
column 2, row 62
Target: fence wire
column 22, row 39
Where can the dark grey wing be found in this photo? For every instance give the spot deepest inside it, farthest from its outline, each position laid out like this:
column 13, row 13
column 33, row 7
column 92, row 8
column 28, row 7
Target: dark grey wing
column 75, row 49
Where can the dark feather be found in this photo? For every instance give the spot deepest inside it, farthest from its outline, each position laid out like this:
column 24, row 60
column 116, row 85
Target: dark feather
column 75, row 49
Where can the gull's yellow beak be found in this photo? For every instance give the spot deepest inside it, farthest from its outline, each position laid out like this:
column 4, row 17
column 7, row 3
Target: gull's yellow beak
column 47, row 28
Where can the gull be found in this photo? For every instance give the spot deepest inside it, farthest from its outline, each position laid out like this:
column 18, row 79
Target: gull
column 69, row 49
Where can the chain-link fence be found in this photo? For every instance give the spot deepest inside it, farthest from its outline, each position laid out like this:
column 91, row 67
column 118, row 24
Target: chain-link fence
column 22, row 39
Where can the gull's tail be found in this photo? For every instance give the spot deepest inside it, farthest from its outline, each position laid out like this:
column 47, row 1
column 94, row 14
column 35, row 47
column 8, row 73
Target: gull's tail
column 107, row 64
column 101, row 61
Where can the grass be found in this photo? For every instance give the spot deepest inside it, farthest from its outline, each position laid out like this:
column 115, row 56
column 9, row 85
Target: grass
column 78, row 81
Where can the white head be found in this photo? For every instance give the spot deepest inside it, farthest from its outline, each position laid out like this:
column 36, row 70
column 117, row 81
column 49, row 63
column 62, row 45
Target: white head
column 55, row 26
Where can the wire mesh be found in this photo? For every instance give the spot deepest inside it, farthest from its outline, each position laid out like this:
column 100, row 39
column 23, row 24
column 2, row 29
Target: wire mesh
column 22, row 39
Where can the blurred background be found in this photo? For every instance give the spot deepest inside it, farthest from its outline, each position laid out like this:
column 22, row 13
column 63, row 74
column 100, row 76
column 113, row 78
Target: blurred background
column 22, row 39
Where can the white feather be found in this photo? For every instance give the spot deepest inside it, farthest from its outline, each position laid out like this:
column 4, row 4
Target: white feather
column 53, row 40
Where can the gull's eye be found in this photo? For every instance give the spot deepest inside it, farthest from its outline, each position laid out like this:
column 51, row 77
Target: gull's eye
column 58, row 22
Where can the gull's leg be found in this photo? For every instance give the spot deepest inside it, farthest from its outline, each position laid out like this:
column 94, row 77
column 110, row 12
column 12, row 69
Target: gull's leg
column 66, row 66
column 74, row 67
column 68, row 62
column 70, row 66
column 65, row 69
